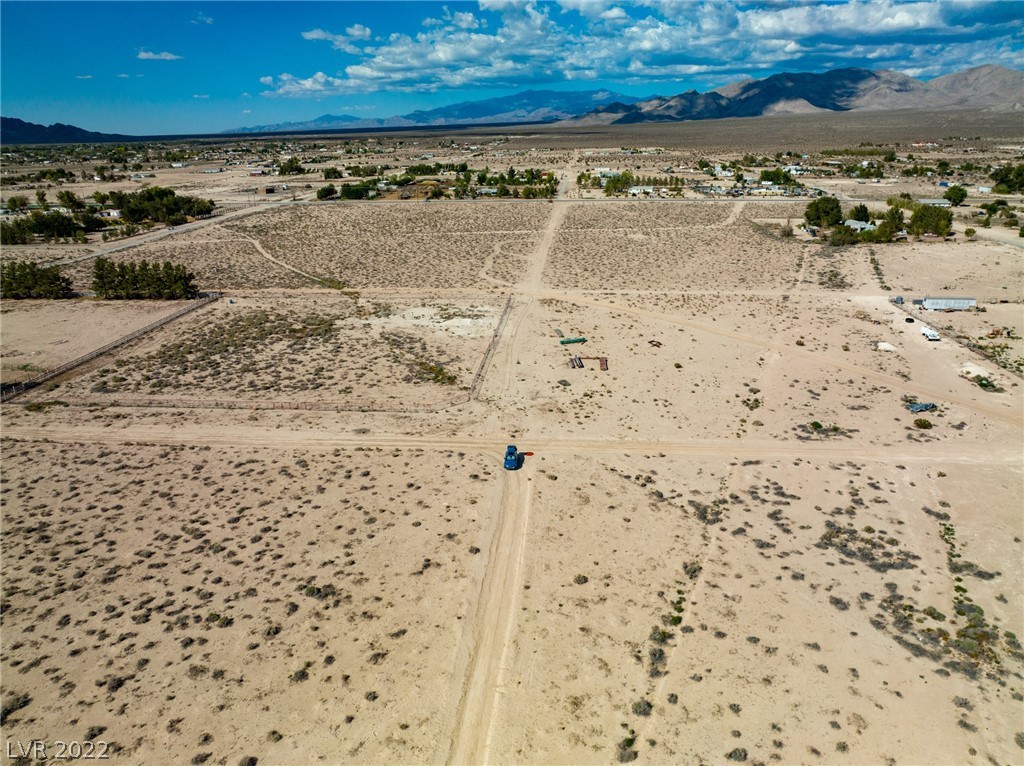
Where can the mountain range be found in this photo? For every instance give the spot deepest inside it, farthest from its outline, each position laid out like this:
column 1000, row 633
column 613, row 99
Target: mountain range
column 987, row 87
column 15, row 131
column 528, row 106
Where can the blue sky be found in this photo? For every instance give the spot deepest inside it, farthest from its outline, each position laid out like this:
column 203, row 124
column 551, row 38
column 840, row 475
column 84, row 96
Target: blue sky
column 183, row 67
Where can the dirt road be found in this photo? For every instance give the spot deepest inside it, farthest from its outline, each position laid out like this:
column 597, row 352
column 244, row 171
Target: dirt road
column 493, row 444
column 494, row 623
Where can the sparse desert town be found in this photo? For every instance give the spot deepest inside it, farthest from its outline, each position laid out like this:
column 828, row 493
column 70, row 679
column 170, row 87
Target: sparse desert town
column 576, row 441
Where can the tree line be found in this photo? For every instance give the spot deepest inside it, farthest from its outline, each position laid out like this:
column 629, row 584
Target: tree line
column 129, row 280
column 24, row 279
column 142, row 280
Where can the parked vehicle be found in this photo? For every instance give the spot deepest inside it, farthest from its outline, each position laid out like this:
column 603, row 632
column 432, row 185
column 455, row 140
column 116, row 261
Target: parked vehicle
column 511, row 458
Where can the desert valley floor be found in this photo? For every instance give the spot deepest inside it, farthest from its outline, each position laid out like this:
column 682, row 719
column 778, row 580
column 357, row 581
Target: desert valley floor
column 279, row 527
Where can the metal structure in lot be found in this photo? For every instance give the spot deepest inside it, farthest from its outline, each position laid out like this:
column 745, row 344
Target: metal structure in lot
column 577, row 361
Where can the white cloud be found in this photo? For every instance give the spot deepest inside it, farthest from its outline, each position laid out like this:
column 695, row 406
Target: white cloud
column 338, row 42
column 124, row 76
column 247, row 111
column 164, row 56
column 83, row 76
column 854, row 18
column 202, row 18
column 524, row 43
column 200, row 95
column 464, row 20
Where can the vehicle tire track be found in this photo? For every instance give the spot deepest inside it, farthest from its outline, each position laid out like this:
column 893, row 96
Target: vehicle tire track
column 493, row 625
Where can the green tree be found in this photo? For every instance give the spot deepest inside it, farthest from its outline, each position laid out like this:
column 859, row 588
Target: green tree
column 1009, row 180
column 969, row 232
column 956, row 195
column 843, row 235
column 15, row 232
column 928, row 219
column 23, row 279
column 69, row 199
column 17, row 202
column 777, row 176
column 41, row 199
column 824, row 211
column 291, row 167
column 860, row 213
column 142, row 280
column 332, row 173
column 326, row 192
column 894, row 219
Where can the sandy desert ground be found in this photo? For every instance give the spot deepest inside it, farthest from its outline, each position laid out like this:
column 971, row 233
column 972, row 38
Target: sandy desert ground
column 734, row 545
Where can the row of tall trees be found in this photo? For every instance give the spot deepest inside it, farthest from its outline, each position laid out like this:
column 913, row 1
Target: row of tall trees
column 142, row 279
column 24, row 279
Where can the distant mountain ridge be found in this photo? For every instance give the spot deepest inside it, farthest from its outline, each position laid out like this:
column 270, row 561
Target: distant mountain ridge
column 15, row 131
column 990, row 87
column 984, row 87
column 527, row 106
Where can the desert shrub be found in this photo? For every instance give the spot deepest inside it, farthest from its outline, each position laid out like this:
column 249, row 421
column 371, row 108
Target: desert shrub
column 12, row 704
column 923, row 423
column 642, row 708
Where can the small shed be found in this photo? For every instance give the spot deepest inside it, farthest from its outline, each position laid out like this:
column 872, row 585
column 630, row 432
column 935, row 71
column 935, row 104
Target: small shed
column 949, row 304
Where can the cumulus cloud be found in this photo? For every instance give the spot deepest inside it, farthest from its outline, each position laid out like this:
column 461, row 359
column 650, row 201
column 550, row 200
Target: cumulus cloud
column 163, row 56
column 524, row 43
column 341, row 42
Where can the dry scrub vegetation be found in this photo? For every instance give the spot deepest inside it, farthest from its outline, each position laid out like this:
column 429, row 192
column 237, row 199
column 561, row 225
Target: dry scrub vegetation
column 329, row 348
column 683, row 621
column 385, row 245
column 237, row 602
column 660, row 246
column 220, row 260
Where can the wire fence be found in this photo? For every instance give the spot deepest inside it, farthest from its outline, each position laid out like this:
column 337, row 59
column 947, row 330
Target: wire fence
column 17, row 389
column 263, row 404
column 478, row 378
